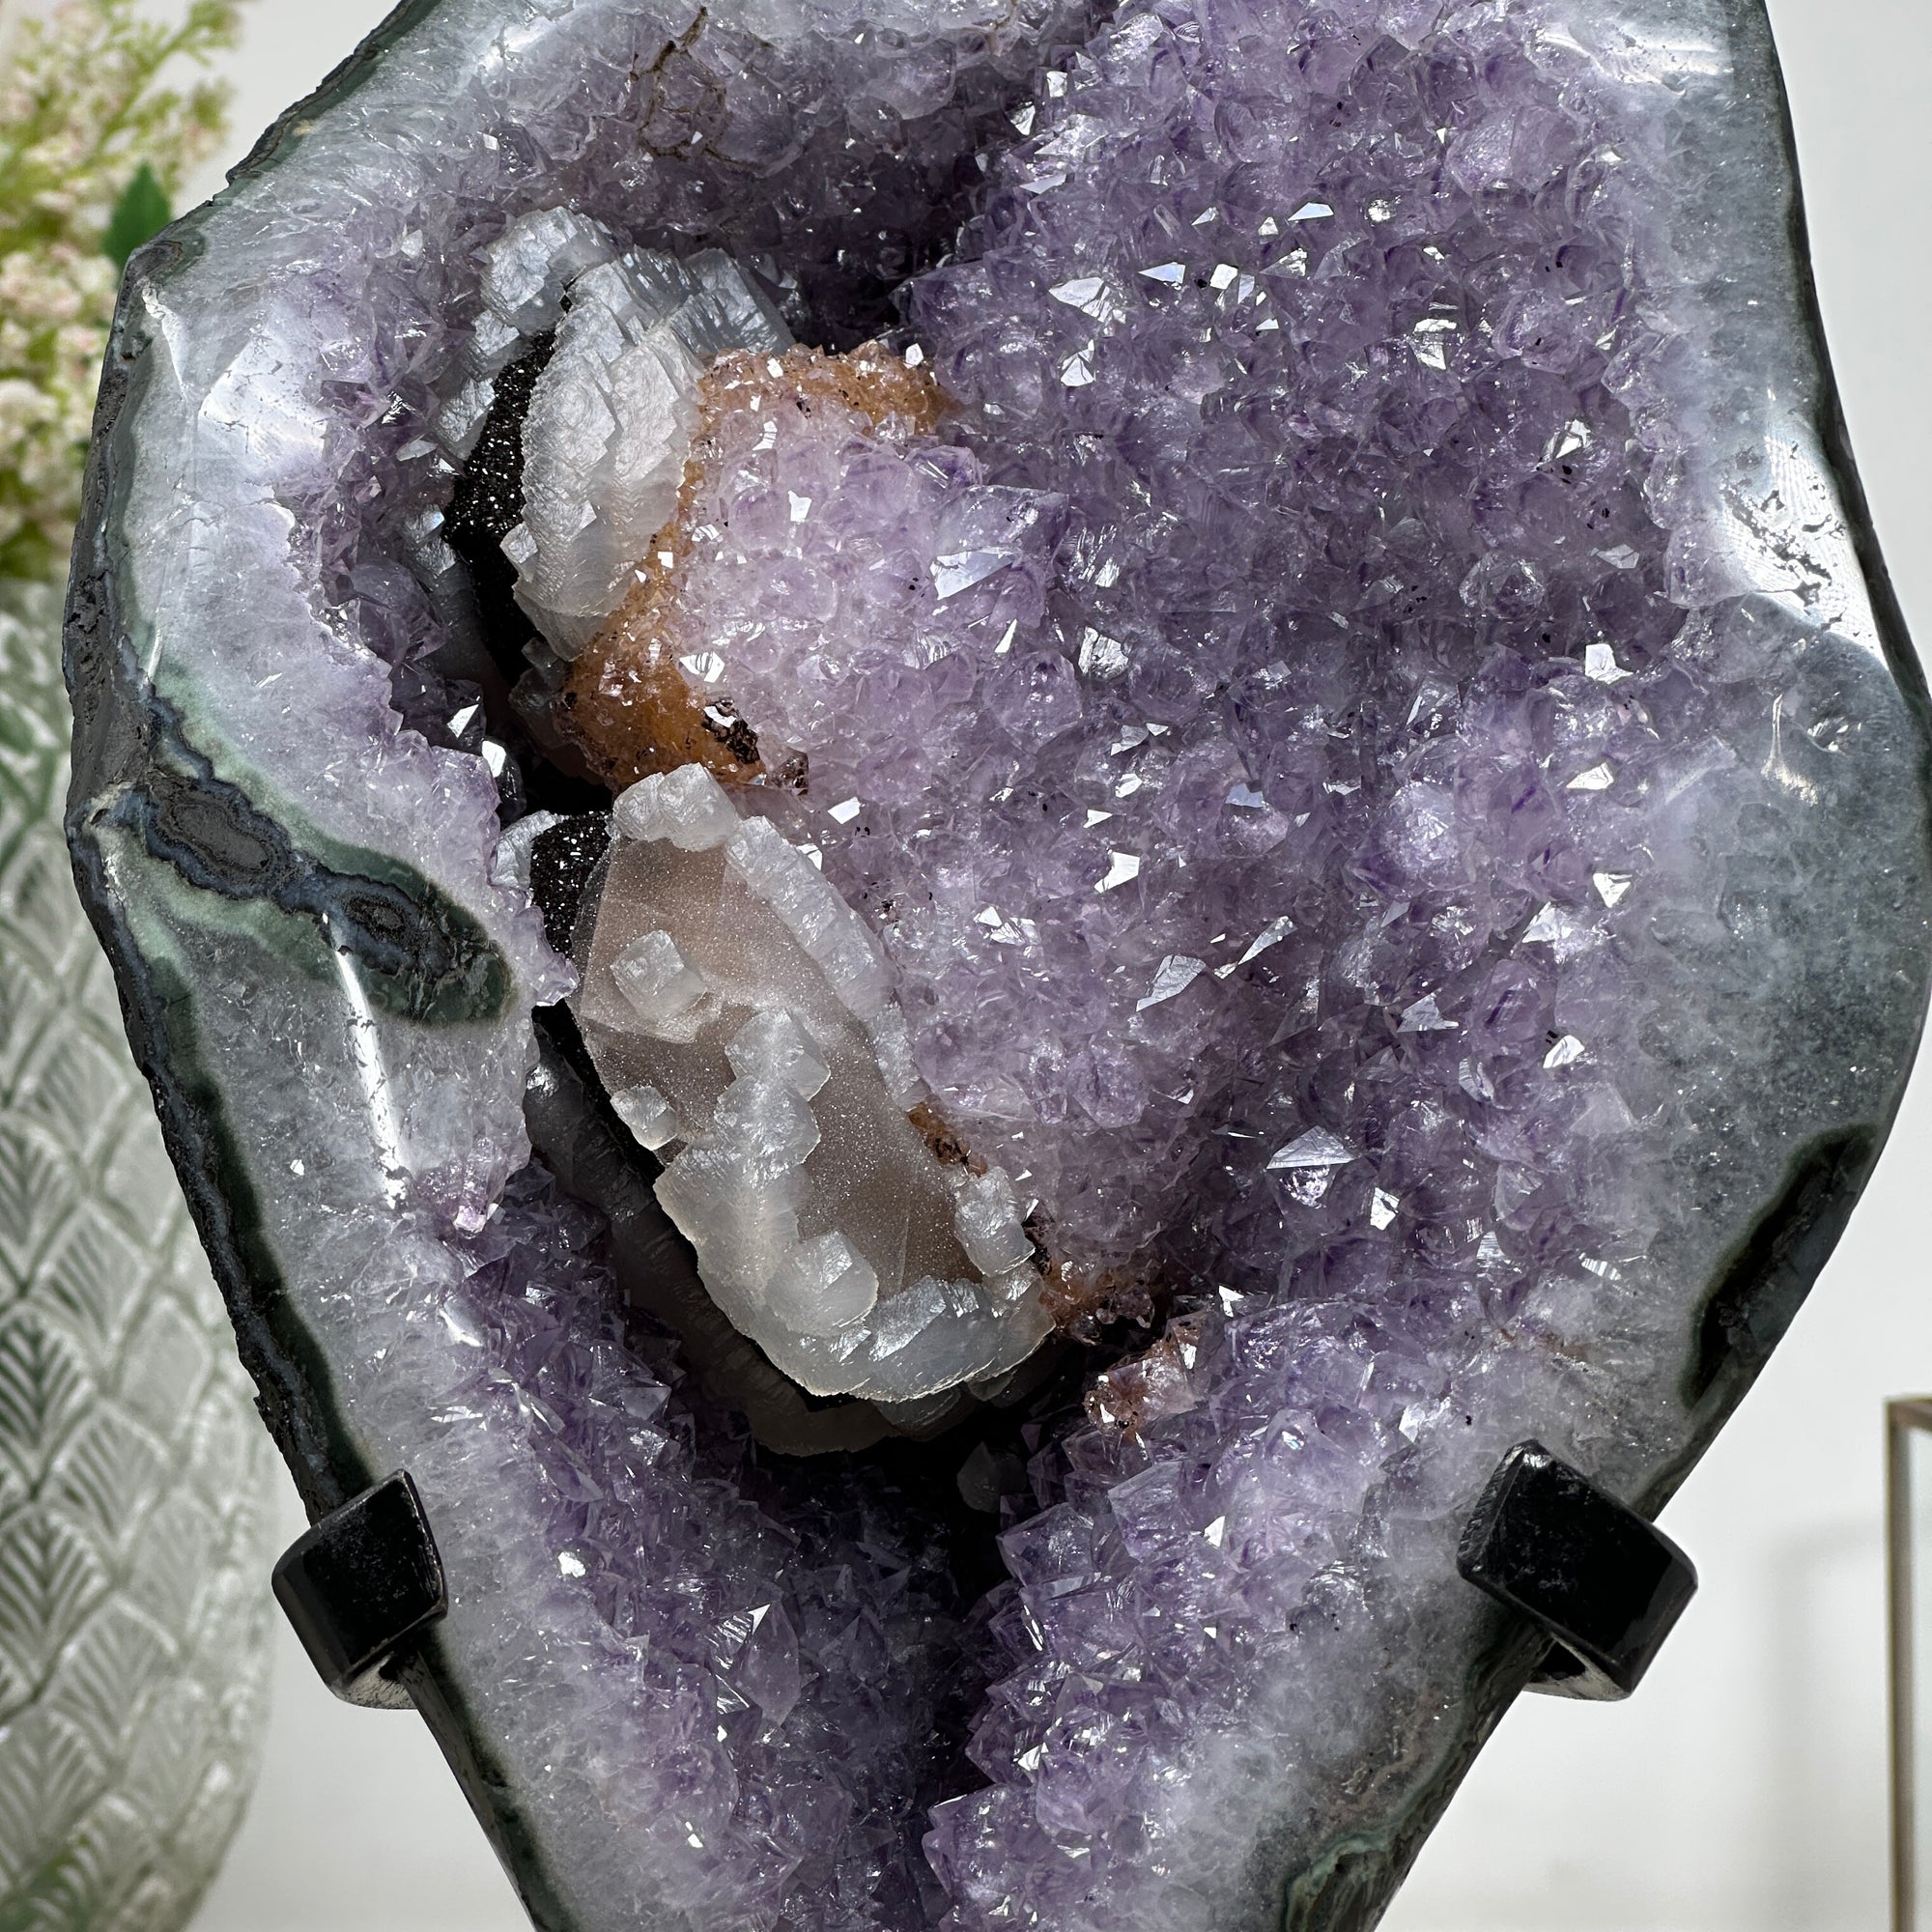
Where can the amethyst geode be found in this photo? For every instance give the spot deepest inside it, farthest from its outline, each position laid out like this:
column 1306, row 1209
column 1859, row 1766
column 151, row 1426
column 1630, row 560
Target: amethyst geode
column 1368, row 743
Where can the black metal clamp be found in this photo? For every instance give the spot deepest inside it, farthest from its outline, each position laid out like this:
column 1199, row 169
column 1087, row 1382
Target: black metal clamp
column 1605, row 1584
column 1602, row 1584
column 360, row 1586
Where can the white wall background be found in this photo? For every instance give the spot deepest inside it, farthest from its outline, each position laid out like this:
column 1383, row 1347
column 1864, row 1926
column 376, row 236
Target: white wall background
column 1744, row 1789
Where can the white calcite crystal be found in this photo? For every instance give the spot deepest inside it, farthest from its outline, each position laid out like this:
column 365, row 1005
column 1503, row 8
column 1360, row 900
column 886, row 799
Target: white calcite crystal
column 661, row 985
column 823, row 1286
column 613, row 411
column 651, row 1118
column 729, row 988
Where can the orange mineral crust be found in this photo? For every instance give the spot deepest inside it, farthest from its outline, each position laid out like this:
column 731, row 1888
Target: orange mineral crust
column 630, row 704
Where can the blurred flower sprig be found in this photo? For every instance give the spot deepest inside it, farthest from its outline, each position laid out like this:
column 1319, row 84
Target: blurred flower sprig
column 95, row 138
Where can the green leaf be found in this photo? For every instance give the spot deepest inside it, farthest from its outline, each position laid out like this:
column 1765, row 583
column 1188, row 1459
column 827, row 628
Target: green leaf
column 140, row 214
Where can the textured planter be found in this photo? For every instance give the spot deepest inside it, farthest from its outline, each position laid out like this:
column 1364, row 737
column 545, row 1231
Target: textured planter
column 134, row 1518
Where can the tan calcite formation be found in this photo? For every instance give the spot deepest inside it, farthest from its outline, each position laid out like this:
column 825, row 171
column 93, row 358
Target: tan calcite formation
column 626, row 705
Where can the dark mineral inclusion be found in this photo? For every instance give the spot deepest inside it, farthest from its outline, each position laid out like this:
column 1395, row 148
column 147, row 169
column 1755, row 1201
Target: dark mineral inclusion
column 1374, row 747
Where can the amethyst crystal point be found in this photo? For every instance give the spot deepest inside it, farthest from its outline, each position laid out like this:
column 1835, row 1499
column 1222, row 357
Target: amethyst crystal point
column 1321, row 724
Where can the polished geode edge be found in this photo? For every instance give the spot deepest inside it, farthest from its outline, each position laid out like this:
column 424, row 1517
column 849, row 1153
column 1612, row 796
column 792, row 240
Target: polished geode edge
column 295, row 1385
column 1342, row 1887
column 1770, row 1270
column 1768, row 1273
column 112, row 744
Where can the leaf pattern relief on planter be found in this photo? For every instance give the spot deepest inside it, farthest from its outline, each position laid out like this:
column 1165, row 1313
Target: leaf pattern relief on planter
column 1344, row 749
column 136, row 1520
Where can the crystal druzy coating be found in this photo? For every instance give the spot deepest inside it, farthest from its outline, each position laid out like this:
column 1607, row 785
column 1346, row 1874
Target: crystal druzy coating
column 1353, row 705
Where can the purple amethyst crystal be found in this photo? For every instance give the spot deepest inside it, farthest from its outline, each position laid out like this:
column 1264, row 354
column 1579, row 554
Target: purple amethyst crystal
column 1363, row 767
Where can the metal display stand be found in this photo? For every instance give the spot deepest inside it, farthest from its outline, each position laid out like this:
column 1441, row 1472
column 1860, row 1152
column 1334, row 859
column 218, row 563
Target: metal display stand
column 1909, row 1576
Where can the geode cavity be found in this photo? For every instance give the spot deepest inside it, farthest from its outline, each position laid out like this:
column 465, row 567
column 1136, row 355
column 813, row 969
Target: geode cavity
column 1291, row 571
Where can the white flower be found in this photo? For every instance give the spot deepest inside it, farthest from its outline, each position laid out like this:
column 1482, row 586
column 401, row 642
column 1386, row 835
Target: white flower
column 81, row 110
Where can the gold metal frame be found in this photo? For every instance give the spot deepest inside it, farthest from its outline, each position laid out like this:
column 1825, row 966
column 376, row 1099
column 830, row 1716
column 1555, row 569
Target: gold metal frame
column 1903, row 1418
